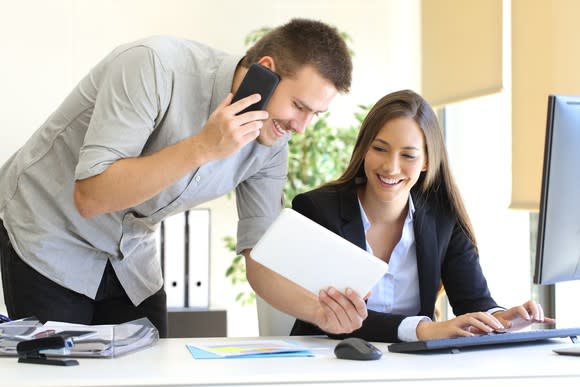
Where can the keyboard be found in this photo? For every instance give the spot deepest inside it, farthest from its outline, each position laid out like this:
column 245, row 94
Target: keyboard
column 486, row 340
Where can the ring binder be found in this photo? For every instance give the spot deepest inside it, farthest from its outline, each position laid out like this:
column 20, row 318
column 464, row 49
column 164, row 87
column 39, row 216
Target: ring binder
column 185, row 253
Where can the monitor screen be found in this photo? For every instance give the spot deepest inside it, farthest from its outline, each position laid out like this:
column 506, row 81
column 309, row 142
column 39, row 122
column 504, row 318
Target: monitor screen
column 558, row 244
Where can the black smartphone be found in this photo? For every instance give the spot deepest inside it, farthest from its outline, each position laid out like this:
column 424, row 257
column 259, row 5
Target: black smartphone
column 258, row 79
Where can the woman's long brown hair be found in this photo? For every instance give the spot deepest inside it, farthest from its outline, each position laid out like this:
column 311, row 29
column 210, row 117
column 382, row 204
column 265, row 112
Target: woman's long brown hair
column 437, row 180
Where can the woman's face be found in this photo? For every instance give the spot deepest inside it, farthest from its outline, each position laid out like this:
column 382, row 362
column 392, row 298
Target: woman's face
column 395, row 160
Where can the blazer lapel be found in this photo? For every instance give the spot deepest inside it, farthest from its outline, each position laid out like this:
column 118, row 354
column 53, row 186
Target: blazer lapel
column 352, row 227
column 427, row 246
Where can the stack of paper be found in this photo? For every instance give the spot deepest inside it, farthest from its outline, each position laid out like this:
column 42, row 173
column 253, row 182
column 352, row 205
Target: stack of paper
column 13, row 332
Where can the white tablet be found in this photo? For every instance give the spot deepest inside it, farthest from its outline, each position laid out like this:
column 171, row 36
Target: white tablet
column 315, row 258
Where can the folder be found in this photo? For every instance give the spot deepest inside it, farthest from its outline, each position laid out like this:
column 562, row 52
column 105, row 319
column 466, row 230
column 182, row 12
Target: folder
column 248, row 349
column 173, row 254
column 198, row 258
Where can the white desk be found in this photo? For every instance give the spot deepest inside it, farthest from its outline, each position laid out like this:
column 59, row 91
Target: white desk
column 169, row 363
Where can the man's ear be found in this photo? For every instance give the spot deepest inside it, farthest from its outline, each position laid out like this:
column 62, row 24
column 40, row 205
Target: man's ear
column 268, row 61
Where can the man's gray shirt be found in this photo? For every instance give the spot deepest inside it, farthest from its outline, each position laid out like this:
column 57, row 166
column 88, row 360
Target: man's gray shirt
column 139, row 99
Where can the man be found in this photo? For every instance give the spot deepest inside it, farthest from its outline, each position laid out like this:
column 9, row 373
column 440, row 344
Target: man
column 150, row 132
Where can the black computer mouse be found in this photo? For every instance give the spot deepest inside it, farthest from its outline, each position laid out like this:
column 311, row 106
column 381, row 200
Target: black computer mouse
column 354, row 348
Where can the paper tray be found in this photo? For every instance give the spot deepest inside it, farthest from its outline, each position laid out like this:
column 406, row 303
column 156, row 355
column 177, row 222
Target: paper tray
column 107, row 341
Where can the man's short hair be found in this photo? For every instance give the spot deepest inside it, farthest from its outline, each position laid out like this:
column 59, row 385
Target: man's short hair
column 302, row 42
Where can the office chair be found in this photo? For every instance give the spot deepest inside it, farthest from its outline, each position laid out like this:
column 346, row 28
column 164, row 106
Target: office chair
column 272, row 322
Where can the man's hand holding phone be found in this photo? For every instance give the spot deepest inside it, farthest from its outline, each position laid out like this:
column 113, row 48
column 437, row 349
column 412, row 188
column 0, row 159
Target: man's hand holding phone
column 239, row 118
column 226, row 132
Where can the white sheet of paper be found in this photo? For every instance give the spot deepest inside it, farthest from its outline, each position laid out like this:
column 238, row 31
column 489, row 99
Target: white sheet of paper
column 316, row 258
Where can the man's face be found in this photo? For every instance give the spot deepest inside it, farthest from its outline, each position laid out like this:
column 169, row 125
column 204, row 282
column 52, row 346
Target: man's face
column 294, row 103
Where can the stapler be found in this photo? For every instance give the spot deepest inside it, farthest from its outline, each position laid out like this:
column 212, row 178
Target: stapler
column 30, row 351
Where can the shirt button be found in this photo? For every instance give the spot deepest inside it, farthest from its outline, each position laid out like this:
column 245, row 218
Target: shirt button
column 198, row 178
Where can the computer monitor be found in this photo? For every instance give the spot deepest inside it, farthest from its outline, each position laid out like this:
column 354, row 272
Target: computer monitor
column 558, row 244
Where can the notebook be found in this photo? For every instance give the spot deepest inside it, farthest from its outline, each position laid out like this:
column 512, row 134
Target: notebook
column 316, row 258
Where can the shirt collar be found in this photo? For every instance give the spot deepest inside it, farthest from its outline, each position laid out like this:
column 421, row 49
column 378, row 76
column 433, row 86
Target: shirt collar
column 367, row 223
column 223, row 79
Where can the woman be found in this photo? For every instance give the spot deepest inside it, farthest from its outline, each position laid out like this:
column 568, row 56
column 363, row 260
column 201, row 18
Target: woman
column 398, row 200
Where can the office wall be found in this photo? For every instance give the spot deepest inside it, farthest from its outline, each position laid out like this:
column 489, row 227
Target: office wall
column 47, row 46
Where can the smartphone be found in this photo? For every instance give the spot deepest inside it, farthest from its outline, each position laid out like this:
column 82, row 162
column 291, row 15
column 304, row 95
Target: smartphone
column 258, row 79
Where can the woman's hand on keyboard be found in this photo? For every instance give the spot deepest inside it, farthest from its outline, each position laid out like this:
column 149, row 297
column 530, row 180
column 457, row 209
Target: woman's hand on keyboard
column 523, row 315
column 468, row 324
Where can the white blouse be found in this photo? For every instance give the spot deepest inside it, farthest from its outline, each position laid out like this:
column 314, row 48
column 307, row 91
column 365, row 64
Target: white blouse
column 398, row 291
